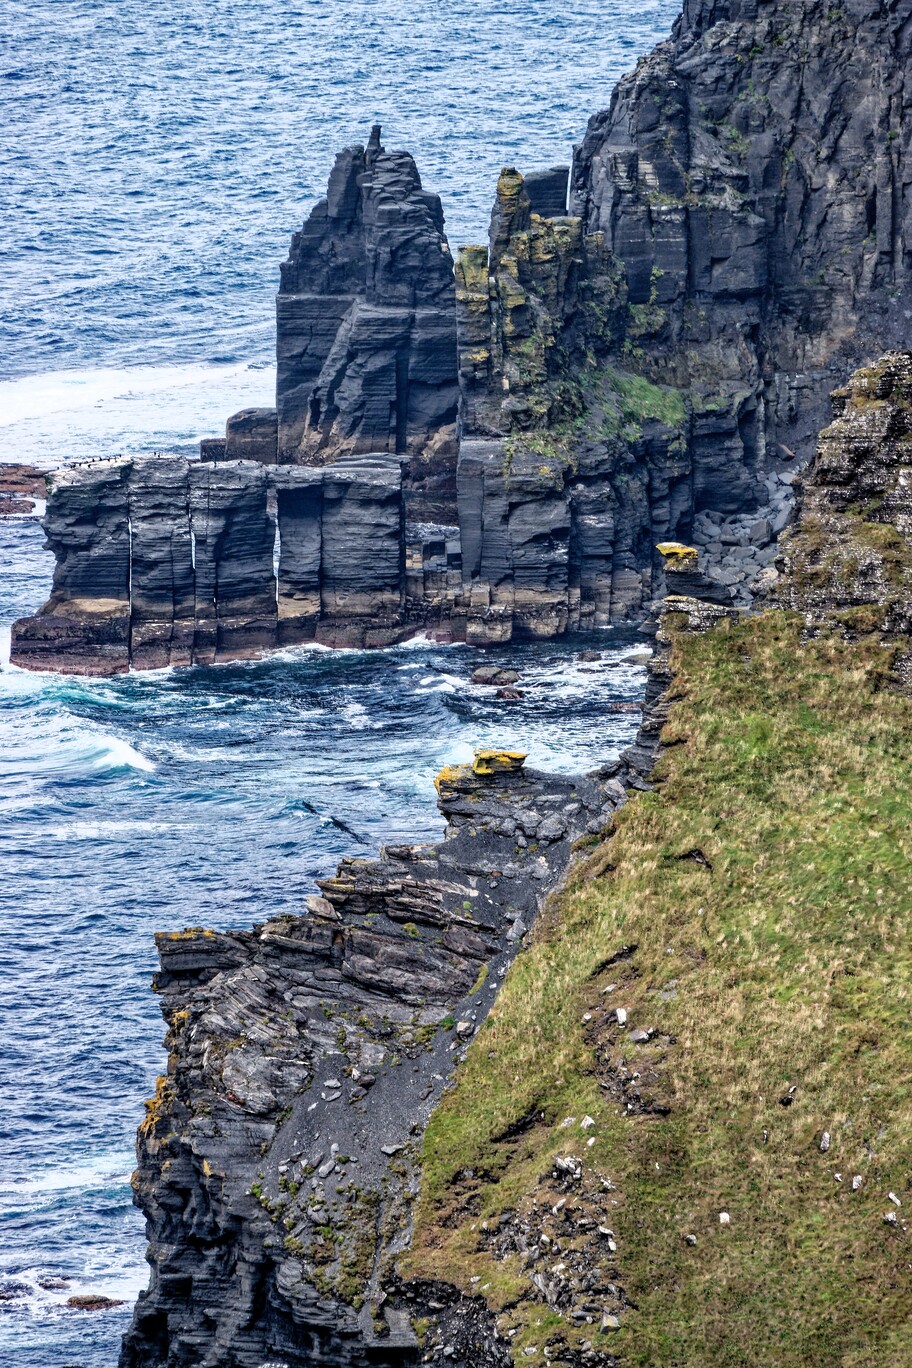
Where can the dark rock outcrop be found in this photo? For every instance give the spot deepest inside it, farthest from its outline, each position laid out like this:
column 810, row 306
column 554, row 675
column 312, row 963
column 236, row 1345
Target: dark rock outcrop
column 277, row 1160
column 847, row 562
column 570, row 468
column 365, row 321
column 252, row 435
column 751, row 175
column 164, row 561
column 84, row 628
column 20, row 487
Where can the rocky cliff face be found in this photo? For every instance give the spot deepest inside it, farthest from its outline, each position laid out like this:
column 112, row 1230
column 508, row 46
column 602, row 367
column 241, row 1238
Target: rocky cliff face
column 163, row 561
column 641, row 346
column 847, row 562
column 276, row 1166
column 752, row 175
column 737, row 240
column 366, row 321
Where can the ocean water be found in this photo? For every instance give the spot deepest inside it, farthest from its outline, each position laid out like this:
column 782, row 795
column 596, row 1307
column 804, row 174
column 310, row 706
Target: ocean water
column 155, row 161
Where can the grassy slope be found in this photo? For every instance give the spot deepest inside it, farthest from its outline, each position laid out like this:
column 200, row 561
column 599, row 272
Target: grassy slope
column 788, row 963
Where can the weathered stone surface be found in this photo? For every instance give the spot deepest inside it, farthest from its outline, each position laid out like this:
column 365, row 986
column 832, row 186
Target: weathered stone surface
column 299, row 495
column 366, row 334
column 162, row 576
column 252, row 435
column 163, row 561
column 276, row 1160
column 516, row 525
column 749, row 175
column 84, row 626
column 848, row 559
column 234, row 540
column 594, row 462
column 362, row 578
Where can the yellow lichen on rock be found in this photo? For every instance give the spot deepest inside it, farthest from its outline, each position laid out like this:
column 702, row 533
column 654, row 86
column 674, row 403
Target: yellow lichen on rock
column 450, row 774
column 493, row 761
column 678, row 555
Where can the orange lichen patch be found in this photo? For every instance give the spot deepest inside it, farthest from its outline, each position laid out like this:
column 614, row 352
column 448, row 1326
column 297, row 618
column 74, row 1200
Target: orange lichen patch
column 188, row 933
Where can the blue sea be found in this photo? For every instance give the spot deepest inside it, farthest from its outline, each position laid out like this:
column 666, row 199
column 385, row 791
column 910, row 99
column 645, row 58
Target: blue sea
column 156, row 159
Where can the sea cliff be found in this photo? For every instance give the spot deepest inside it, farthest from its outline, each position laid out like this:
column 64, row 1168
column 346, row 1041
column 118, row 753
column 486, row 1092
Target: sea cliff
column 644, row 343
column 614, row 1073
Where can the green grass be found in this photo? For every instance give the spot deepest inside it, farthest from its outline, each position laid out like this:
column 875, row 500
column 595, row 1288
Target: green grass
column 640, row 399
column 782, row 957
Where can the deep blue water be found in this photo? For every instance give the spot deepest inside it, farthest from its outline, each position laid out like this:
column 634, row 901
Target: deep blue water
column 155, row 160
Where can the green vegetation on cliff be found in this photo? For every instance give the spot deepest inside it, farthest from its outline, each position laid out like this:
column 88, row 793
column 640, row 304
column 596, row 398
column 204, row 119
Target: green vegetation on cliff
column 752, row 915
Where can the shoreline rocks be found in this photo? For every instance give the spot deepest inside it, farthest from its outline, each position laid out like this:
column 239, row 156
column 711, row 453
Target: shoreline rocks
column 277, row 1162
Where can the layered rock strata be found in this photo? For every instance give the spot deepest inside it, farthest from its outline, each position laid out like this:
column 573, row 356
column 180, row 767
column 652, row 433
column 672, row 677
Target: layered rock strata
column 366, row 320
column 751, row 175
column 640, row 348
column 276, row 1165
column 84, row 627
column 848, row 560
column 570, row 468
column 736, row 241
column 163, row 561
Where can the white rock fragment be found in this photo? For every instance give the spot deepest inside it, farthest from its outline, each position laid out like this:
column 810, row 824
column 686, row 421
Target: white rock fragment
column 587, row 1123
column 857, row 1182
column 824, row 1142
column 894, row 1199
column 724, row 1218
column 621, row 1014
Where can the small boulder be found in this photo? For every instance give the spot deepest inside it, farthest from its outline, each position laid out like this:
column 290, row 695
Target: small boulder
column 494, row 675
column 93, row 1302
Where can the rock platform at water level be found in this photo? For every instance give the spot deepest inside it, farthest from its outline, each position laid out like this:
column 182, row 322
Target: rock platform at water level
column 646, row 339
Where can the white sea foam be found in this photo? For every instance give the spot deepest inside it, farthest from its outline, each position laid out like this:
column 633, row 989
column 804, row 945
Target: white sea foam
column 119, row 754
column 111, row 1169
column 69, row 415
column 100, row 831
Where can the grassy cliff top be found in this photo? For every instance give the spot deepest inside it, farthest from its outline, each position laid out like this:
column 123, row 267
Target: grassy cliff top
column 751, row 917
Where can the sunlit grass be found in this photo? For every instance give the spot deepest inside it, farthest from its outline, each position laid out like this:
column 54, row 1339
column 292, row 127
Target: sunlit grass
column 787, row 964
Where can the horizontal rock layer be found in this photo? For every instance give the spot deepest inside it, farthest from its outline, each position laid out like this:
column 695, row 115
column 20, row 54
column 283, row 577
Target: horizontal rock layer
column 847, row 562
column 276, row 1162
column 366, row 328
column 163, row 561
